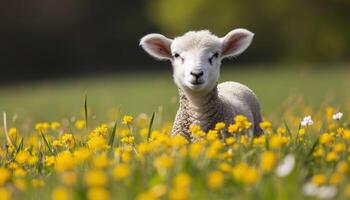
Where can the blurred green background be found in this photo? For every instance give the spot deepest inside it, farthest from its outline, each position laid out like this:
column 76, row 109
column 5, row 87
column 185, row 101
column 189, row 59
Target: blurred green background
column 52, row 53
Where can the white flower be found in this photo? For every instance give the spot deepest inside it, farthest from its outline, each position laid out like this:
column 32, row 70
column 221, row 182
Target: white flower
column 326, row 192
column 337, row 116
column 307, row 121
column 286, row 167
column 322, row 192
column 310, row 189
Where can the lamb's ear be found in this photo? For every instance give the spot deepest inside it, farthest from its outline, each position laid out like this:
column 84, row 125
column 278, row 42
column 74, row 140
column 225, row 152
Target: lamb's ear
column 235, row 42
column 157, row 46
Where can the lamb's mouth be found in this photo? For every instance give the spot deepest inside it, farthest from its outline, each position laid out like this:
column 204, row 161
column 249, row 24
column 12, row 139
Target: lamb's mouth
column 197, row 83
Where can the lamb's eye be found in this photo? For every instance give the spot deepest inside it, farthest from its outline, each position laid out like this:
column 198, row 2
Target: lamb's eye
column 215, row 55
column 176, row 55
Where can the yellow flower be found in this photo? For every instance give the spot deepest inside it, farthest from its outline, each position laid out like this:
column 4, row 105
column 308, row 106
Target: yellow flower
column 95, row 178
column 19, row 172
column 219, row 126
column 101, row 160
column 195, row 149
column 339, row 147
column 127, row 119
column 230, row 140
column 97, row 143
column 97, row 193
column 80, row 124
column 182, row 180
column 281, row 130
column 194, row 128
column 20, row 184
column 233, row 128
column 335, row 179
column 128, row 139
column 68, row 139
column 342, row 167
column 22, row 157
column 4, row 175
column 277, row 141
column 326, row 138
column 60, row 193
column 268, row 161
column 4, row 194
column 81, row 154
column 265, row 125
column 319, row 179
column 301, row 132
column 224, row 167
column 146, row 196
column 50, row 161
column 55, row 125
column 144, row 132
column 68, row 178
column 13, row 133
column 246, row 174
column 38, row 183
column 121, row 171
column 347, row 190
column 215, row 179
column 163, row 162
column 64, row 161
column 212, row 135
column 332, row 156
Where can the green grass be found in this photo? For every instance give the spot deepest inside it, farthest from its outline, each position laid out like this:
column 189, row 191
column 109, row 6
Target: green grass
column 147, row 92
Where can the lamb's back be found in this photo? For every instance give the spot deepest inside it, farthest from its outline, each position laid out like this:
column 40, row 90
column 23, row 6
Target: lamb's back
column 239, row 99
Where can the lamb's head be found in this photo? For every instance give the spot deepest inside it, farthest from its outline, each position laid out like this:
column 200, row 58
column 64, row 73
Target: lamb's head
column 196, row 56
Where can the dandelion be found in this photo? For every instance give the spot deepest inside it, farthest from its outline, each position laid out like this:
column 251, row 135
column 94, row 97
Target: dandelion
column 22, row 157
column 95, row 178
column 4, row 175
column 265, row 125
column 332, row 156
column 268, row 161
column 60, row 193
column 4, row 194
column 127, row 119
column 55, row 125
column 80, row 124
column 319, row 179
column 163, row 163
column 121, row 171
column 215, row 179
column 98, row 193
column 307, row 121
column 337, row 116
column 286, row 166
column 219, row 126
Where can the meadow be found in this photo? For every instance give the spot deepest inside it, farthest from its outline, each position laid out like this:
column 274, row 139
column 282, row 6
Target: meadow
column 95, row 138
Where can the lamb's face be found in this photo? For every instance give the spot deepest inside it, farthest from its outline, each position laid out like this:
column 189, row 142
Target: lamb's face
column 196, row 60
column 196, row 56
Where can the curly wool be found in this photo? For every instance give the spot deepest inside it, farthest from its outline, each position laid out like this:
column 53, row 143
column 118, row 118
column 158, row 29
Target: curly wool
column 225, row 101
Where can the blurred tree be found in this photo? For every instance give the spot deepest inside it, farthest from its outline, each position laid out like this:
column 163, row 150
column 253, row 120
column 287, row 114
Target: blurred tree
column 285, row 29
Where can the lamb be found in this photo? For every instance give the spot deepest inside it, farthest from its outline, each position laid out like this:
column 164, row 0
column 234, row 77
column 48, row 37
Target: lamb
column 196, row 59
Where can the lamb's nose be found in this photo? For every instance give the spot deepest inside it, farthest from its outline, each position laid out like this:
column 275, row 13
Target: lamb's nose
column 197, row 74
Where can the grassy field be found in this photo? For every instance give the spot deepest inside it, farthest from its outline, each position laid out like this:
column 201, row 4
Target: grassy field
column 144, row 92
column 49, row 149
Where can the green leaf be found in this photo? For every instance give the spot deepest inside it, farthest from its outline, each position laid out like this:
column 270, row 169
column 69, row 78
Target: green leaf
column 112, row 135
column 150, row 127
column 86, row 112
column 46, row 142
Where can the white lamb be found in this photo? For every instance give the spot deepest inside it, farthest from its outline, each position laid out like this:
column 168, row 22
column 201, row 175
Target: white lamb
column 196, row 59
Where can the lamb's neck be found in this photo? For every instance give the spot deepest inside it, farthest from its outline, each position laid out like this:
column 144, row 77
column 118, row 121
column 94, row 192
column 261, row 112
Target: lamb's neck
column 204, row 109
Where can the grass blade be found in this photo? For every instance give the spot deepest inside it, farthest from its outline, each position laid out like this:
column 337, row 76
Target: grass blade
column 5, row 129
column 46, row 142
column 86, row 112
column 20, row 146
column 287, row 128
column 112, row 135
column 150, row 127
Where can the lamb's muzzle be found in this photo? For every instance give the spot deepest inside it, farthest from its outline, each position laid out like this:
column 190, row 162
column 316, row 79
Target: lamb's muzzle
column 196, row 58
